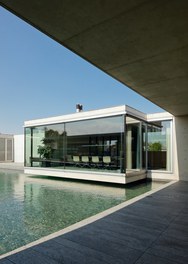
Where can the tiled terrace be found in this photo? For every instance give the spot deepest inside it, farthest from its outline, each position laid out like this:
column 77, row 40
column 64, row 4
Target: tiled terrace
column 151, row 230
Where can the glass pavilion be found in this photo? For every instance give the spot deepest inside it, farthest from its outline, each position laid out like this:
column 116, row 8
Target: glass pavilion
column 115, row 144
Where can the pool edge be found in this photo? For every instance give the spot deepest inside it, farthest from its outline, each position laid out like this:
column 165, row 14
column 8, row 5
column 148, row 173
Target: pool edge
column 86, row 221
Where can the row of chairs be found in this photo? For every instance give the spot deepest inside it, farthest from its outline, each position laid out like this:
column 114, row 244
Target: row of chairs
column 94, row 161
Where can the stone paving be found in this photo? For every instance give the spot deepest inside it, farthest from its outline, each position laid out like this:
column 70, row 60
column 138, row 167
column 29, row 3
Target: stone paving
column 12, row 166
column 152, row 230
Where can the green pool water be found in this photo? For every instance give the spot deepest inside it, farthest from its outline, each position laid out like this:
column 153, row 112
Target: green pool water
column 33, row 207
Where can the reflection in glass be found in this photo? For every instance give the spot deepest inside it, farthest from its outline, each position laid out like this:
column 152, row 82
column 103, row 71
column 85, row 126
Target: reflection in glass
column 27, row 147
column 100, row 144
column 75, row 144
column 144, row 144
column 89, row 141
column 159, row 145
column 133, row 144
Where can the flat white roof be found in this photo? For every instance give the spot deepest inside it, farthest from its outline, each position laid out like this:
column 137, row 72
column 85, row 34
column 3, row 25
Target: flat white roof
column 99, row 113
column 159, row 116
column 85, row 115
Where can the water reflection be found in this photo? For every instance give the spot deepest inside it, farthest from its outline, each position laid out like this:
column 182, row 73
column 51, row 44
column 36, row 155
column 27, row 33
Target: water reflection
column 33, row 207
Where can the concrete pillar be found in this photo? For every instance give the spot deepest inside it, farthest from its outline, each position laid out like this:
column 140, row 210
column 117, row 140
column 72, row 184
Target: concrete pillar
column 181, row 131
column 168, row 150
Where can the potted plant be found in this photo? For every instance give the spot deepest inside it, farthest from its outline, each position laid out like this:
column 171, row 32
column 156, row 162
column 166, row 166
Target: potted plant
column 155, row 146
column 156, row 156
column 45, row 152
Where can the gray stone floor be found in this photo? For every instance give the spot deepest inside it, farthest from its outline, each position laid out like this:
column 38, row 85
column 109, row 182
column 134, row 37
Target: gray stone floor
column 153, row 230
column 12, row 166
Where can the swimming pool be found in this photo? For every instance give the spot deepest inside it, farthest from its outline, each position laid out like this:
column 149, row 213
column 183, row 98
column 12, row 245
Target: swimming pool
column 33, row 207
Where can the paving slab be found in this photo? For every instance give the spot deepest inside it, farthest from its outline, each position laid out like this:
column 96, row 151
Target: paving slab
column 64, row 254
column 150, row 259
column 110, row 246
column 128, row 241
column 30, row 256
column 6, row 261
column 12, row 166
column 171, row 249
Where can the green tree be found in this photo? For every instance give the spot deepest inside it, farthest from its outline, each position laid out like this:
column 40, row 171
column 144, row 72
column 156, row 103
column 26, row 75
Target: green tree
column 155, row 146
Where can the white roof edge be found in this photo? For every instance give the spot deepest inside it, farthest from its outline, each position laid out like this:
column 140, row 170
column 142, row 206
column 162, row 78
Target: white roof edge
column 159, row 116
column 111, row 111
column 135, row 113
column 92, row 114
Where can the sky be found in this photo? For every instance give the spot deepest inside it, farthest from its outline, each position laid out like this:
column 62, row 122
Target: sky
column 40, row 78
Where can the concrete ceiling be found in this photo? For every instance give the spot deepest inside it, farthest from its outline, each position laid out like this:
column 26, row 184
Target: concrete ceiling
column 141, row 43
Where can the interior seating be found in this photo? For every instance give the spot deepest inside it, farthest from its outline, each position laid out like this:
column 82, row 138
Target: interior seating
column 95, row 161
column 106, row 161
column 76, row 160
column 85, row 161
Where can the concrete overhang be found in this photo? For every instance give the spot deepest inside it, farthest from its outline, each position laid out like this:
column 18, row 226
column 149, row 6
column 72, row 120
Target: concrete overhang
column 143, row 44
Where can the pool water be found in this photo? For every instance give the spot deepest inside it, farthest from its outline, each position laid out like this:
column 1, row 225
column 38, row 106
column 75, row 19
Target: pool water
column 33, row 207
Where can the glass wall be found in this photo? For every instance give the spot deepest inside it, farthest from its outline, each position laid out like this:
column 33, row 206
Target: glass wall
column 44, row 146
column 135, row 145
column 27, row 151
column 102, row 144
column 96, row 144
column 159, row 145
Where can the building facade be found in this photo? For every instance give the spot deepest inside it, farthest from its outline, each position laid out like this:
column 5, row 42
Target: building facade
column 6, row 148
column 117, row 145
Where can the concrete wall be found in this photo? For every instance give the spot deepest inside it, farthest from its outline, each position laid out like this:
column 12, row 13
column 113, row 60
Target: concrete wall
column 181, row 130
column 19, row 148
